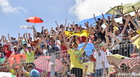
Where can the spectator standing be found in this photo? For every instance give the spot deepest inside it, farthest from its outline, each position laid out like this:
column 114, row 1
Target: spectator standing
column 101, row 64
column 33, row 71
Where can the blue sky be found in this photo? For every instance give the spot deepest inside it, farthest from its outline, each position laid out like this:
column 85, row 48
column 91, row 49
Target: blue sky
column 13, row 13
column 49, row 10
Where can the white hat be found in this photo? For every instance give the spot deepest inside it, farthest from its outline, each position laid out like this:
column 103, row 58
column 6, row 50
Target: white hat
column 28, row 45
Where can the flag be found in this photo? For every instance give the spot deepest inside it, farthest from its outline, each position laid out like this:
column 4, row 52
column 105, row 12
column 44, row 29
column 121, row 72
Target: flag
column 68, row 33
column 80, row 33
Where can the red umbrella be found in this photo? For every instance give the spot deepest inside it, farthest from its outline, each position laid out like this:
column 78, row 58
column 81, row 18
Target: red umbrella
column 34, row 20
column 130, row 62
column 16, row 58
column 44, row 63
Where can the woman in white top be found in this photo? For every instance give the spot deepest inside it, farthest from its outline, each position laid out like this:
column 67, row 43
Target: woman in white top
column 101, row 64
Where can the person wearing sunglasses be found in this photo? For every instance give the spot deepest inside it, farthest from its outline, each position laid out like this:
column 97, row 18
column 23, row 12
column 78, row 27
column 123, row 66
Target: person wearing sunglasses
column 125, row 44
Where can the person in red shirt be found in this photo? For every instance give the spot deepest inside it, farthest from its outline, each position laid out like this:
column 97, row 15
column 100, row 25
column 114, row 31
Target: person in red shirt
column 82, row 39
column 64, row 53
column 8, row 51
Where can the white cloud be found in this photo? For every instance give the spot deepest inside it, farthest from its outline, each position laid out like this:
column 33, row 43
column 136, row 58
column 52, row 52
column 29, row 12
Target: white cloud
column 7, row 8
column 86, row 8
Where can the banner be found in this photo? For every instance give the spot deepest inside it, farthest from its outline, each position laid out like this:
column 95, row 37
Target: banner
column 80, row 34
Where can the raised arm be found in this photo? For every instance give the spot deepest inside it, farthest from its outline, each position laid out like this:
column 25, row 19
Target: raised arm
column 18, row 36
column 107, row 40
column 112, row 36
column 29, row 38
column 34, row 32
column 125, row 26
column 134, row 9
column 47, row 34
column 19, row 42
column 133, row 40
column 24, row 36
column 87, row 39
column 113, row 21
column 57, row 24
column 42, row 30
column 65, row 42
column 134, row 23
column 73, row 27
column 46, row 44
column 136, row 18
column 9, row 38
column 89, row 29
column 121, row 11
column 104, row 20
column 65, row 23
column 94, row 17
column 6, row 41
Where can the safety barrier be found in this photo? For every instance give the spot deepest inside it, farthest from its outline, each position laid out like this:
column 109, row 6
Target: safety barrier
column 126, row 50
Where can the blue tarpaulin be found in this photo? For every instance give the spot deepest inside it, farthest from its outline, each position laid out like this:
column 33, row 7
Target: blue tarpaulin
column 89, row 49
column 92, row 21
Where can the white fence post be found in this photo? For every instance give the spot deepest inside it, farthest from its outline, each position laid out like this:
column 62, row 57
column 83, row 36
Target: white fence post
column 53, row 64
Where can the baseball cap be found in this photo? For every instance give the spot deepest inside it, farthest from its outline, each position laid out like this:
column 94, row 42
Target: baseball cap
column 23, row 42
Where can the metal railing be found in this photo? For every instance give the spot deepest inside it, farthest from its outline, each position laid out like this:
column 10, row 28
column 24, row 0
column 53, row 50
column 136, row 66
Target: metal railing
column 124, row 50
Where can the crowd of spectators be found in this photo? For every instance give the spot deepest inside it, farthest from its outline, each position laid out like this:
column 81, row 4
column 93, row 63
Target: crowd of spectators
column 115, row 38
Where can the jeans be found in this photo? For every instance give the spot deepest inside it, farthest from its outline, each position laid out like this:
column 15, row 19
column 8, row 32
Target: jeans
column 99, row 72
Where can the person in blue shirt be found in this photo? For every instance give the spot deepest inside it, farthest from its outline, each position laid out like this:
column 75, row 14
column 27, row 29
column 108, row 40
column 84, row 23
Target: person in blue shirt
column 33, row 71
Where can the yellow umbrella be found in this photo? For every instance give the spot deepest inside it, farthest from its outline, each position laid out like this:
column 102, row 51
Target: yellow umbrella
column 137, row 42
column 116, row 58
column 127, row 8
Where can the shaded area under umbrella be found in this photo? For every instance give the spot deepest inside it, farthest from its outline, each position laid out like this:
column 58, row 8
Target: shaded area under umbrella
column 44, row 63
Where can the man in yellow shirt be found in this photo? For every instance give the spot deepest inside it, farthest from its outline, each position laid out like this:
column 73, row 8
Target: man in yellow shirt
column 75, row 58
